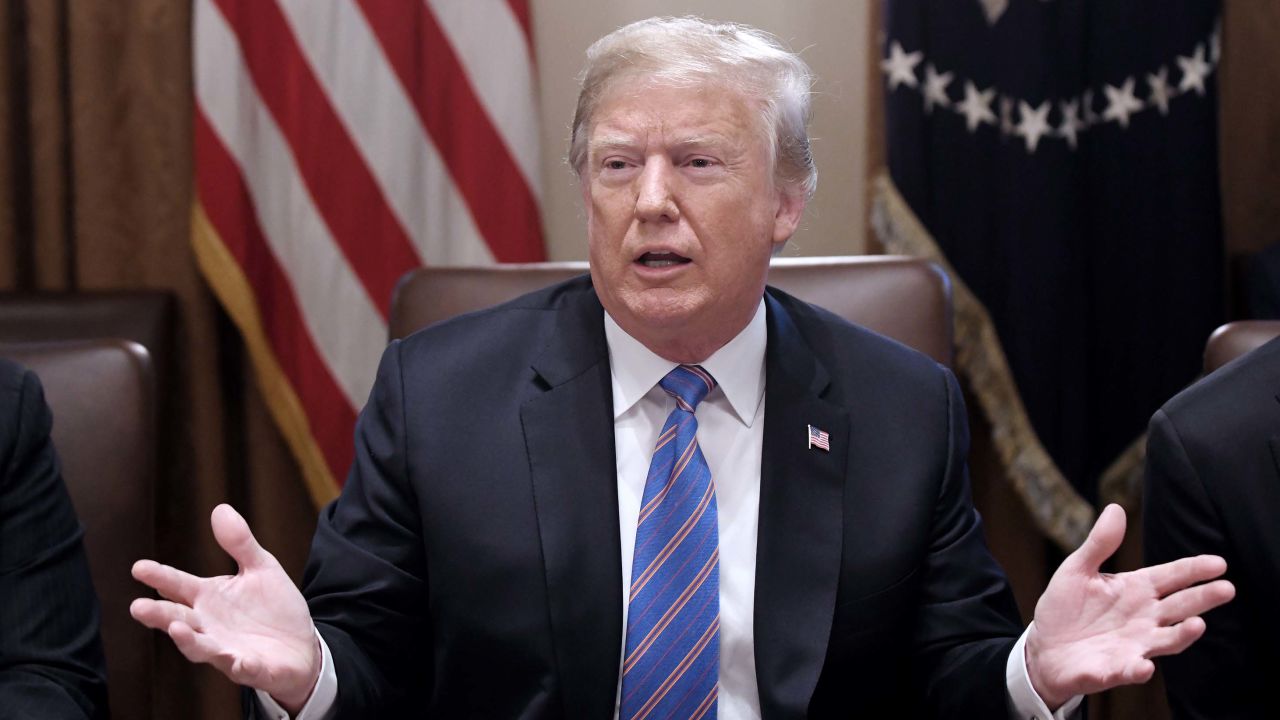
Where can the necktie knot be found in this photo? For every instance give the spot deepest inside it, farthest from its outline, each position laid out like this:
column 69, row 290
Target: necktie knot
column 688, row 384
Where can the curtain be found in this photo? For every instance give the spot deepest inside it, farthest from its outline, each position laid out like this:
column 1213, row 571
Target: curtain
column 95, row 194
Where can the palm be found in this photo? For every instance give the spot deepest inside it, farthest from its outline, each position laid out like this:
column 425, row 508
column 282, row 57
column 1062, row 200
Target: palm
column 253, row 626
column 1095, row 631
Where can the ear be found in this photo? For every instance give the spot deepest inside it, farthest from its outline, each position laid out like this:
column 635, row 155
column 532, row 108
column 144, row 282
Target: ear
column 787, row 218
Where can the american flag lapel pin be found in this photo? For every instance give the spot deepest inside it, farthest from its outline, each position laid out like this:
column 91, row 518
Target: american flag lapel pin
column 820, row 439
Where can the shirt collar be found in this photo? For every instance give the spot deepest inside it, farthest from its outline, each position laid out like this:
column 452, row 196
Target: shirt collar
column 738, row 367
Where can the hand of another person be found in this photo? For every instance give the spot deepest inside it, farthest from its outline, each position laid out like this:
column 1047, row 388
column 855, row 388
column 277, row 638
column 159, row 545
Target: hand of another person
column 1094, row 631
column 253, row 626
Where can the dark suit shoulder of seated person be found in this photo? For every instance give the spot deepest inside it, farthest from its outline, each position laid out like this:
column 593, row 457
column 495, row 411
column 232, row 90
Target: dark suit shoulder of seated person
column 1213, row 486
column 51, row 663
column 484, row 492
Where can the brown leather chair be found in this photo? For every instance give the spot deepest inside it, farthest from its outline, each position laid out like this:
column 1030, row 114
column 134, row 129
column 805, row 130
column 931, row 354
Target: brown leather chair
column 143, row 316
column 102, row 394
column 904, row 298
column 1235, row 339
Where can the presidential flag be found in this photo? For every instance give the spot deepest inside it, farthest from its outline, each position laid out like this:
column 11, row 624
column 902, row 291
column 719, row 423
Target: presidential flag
column 339, row 144
column 1060, row 155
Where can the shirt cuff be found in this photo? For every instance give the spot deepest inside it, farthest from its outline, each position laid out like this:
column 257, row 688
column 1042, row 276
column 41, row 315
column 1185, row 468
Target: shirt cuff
column 1024, row 701
column 320, row 705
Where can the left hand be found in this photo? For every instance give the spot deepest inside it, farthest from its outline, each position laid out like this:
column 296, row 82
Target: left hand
column 1094, row 631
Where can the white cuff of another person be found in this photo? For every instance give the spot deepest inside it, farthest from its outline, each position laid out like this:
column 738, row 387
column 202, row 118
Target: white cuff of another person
column 1024, row 700
column 320, row 703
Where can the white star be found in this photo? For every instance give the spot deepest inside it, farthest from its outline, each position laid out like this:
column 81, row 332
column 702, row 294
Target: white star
column 1034, row 124
column 1121, row 103
column 1006, row 114
column 935, row 88
column 900, row 66
column 1160, row 90
column 1071, row 123
column 1194, row 70
column 993, row 9
column 976, row 106
column 1090, row 116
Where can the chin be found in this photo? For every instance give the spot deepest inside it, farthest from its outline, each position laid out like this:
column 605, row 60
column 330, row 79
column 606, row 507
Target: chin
column 663, row 308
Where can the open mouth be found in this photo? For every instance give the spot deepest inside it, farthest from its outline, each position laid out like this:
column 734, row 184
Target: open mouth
column 661, row 259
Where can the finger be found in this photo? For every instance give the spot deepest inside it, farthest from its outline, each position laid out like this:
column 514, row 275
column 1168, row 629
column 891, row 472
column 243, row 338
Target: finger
column 1139, row 671
column 234, row 536
column 200, row 648
column 160, row 614
column 170, row 582
column 1173, row 576
column 1104, row 539
column 1195, row 600
column 1176, row 638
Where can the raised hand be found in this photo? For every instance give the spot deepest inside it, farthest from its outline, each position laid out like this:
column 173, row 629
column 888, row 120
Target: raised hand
column 1094, row 631
column 253, row 626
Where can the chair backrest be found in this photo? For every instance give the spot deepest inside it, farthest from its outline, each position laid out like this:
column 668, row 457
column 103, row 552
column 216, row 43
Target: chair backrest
column 1235, row 339
column 102, row 396
column 907, row 299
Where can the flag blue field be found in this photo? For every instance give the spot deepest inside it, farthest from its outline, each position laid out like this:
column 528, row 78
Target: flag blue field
column 1062, row 155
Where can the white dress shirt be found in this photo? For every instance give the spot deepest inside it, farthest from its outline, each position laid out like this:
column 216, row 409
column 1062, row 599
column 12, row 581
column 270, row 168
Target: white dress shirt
column 731, row 434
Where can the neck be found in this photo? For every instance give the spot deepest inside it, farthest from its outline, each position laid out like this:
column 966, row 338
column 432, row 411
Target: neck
column 686, row 344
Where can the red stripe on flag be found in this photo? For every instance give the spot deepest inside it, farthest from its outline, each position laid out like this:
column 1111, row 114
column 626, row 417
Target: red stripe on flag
column 345, row 191
column 488, row 178
column 229, row 206
column 520, row 8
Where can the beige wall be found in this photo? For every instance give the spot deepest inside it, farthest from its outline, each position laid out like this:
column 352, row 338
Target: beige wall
column 832, row 35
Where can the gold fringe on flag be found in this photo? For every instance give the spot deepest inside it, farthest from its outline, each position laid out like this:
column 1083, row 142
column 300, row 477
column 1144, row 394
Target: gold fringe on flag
column 1059, row 511
column 227, row 279
column 1121, row 483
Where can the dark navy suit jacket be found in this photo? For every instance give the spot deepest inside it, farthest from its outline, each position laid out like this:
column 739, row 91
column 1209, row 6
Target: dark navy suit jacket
column 1213, row 486
column 471, row 567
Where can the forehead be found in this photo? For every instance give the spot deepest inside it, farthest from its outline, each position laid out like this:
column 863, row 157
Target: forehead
column 637, row 110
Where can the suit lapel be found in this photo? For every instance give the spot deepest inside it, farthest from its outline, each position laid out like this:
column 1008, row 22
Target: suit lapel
column 800, row 532
column 568, row 430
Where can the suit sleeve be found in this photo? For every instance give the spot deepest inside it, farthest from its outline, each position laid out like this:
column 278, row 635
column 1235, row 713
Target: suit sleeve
column 1212, row 678
column 366, row 580
column 968, row 619
column 51, row 662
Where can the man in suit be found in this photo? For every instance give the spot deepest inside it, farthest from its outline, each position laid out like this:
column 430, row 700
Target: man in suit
column 51, row 663
column 1213, row 486
column 663, row 491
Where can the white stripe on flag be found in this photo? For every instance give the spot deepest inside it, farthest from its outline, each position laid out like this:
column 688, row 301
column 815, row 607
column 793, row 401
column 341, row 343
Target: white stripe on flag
column 491, row 46
column 380, row 118
column 347, row 329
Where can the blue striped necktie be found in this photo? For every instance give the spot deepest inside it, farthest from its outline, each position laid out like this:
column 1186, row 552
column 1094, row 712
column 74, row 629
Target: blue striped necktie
column 672, row 663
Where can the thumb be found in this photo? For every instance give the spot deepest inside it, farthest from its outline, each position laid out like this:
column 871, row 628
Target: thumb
column 233, row 535
column 1103, row 541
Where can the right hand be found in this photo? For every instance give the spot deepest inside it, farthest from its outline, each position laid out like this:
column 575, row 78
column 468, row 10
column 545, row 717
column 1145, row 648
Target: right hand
column 253, row 626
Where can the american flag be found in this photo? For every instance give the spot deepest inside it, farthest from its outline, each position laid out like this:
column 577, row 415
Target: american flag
column 819, row 439
column 338, row 144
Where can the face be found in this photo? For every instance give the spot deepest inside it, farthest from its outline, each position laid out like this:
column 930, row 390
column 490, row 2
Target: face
column 683, row 214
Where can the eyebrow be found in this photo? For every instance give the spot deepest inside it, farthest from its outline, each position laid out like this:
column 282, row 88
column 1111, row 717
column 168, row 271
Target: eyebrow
column 623, row 142
column 610, row 142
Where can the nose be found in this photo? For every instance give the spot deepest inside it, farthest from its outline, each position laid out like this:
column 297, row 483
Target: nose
column 655, row 201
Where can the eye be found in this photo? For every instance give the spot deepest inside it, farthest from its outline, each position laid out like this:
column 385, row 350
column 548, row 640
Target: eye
column 615, row 164
column 701, row 162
